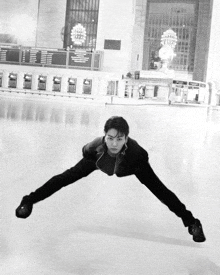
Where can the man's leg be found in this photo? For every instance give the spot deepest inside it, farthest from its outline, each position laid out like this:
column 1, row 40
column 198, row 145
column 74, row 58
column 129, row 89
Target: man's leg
column 82, row 169
column 153, row 183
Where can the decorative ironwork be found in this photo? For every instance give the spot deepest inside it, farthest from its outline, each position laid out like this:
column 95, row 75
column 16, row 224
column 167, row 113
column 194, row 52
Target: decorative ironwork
column 78, row 34
column 169, row 38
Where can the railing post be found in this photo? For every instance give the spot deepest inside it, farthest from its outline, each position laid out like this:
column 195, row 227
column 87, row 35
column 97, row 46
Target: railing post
column 67, row 57
column 5, row 79
column 20, row 80
column 64, row 84
column 79, row 86
column 49, row 83
column 34, row 85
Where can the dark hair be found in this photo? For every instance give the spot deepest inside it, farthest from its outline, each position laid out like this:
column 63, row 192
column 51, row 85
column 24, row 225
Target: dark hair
column 118, row 123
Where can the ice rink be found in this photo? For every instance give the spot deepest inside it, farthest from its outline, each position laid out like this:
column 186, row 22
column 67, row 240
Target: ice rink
column 107, row 225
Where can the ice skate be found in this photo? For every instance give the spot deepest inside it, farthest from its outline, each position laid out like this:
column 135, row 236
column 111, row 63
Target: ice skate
column 196, row 231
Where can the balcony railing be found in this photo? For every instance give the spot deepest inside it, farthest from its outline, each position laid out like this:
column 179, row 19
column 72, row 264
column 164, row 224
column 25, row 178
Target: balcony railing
column 44, row 57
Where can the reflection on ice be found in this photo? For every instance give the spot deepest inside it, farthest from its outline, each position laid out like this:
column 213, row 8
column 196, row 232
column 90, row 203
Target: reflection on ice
column 45, row 112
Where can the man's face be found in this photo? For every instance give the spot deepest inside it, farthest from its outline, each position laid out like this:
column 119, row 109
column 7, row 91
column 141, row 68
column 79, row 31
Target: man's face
column 115, row 140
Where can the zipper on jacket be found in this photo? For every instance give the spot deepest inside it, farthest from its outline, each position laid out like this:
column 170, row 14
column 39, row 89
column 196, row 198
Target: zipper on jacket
column 114, row 172
column 98, row 160
column 114, row 166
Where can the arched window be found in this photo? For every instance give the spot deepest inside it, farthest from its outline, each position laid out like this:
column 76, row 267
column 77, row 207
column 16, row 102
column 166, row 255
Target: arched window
column 81, row 24
column 182, row 18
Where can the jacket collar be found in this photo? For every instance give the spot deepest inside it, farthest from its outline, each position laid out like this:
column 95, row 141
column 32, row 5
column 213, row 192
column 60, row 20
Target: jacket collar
column 103, row 147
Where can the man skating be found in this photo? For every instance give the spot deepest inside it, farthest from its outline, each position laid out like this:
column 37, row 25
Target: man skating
column 115, row 153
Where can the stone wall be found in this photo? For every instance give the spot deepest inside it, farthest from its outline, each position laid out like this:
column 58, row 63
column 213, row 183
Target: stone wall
column 116, row 20
column 138, row 35
column 51, row 21
column 214, row 45
column 19, row 19
column 202, row 40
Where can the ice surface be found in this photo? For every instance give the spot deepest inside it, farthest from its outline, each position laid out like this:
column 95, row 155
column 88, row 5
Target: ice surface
column 100, row 224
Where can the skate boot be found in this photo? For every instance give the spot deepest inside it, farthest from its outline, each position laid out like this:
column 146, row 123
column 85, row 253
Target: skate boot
column 24, row 209
column 196, row 231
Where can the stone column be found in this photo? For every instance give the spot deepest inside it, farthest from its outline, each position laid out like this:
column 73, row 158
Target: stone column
column 49, row 83
column 121, row 88
column 213, row 55
column 5, row 79
column 64, row 84
column 103, row 86
column 95, row 86
column 79, row 85
column 34, row 85
column 20, row 80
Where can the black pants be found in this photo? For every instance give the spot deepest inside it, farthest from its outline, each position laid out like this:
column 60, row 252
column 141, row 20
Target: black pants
column 146, row 176
column 82, row 169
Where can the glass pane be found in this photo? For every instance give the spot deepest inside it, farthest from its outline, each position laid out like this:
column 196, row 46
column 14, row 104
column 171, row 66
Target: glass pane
column 180, row 17
column 84, row 12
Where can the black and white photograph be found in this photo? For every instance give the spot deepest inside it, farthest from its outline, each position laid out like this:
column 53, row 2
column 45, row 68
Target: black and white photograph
column 109, row 137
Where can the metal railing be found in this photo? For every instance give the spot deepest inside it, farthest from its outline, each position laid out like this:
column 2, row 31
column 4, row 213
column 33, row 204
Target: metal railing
column 44, row 57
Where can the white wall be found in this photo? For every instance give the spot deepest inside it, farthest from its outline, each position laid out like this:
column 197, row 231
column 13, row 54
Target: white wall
column 116, row 20
column 138, row 36
column 202, row 40
column 19, row 18
column 51, row 21
column 214, row 54
column 214, row 45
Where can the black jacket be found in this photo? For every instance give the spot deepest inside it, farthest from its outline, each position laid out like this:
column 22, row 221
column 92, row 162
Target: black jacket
column 130, row 160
